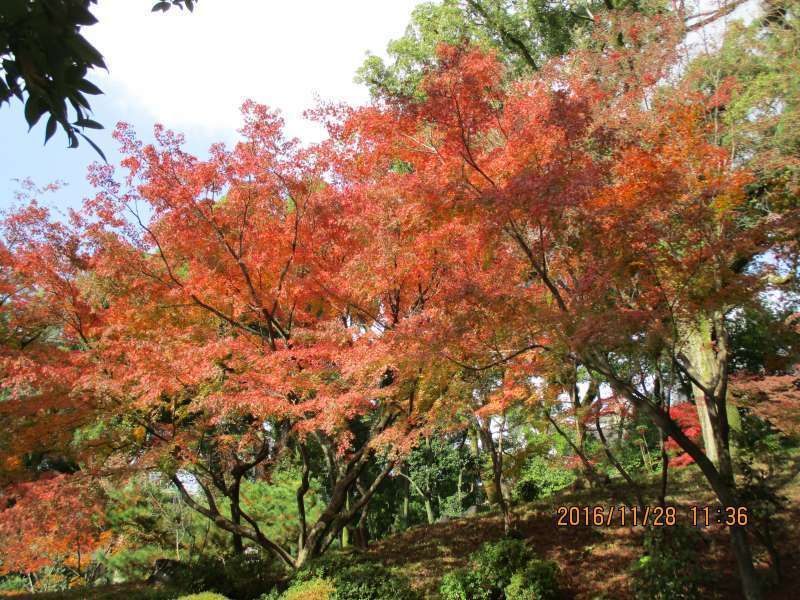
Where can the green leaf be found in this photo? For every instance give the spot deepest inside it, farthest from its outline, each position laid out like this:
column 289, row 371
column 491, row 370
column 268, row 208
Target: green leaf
column 77, row 98
column 73, row 139
column 50, row 129
column 82, row 16
column 95, row 146
column 88, row 87
column 85, row 50
column 88, row 123
column 34, row 109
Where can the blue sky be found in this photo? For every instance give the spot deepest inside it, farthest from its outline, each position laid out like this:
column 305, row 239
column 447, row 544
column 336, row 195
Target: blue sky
column 191, row 72
column 23, row 154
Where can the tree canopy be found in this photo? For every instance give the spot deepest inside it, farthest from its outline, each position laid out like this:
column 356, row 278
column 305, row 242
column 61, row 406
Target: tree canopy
column 500, row 278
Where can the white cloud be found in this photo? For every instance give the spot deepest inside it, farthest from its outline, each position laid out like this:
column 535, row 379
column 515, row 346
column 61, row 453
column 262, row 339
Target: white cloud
column 194, row 70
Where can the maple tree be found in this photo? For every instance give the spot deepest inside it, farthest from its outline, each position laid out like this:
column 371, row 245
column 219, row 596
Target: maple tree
column 607, row 204
column 230, row 257
column 209, row 329
column 43, row 317
column 34, row 533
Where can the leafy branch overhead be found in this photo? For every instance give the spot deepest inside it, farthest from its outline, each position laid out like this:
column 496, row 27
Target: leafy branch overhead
column 46, row 62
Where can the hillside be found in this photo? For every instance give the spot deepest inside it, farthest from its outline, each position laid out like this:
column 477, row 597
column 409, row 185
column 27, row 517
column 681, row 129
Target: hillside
column 594, row 562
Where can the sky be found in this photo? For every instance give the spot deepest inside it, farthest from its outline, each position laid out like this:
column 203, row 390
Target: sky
column 192, row 71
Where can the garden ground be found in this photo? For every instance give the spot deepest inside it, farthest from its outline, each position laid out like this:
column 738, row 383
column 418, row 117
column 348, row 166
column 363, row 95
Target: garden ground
column 425, row 552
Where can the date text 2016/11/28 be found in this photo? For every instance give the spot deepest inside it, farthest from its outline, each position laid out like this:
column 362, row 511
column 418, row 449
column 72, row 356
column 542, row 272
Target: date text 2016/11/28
column 655, row 516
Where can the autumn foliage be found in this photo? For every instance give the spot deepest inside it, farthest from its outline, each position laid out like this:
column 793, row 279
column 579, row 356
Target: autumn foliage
column 435, row 262
column 53, row 519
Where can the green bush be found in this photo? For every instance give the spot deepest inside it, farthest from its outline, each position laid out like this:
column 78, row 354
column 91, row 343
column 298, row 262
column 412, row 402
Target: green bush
column 541, row 477
column 312, row 589
column 670, row 568
column 13, row 583
column 504, row 569
column 537, row 581
column 326, row 565
column 204, row 596
column 452, row 506
column 357, row 580
column 242, row 577
column 496, row 562
column 463, row 584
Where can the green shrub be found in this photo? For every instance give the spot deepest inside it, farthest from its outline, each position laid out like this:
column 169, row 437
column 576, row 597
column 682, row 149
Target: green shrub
column 312, row 589
column 131, row 564
column 452, row 506
column 204, row 596
column 541, row 477
column 324, row 566
column 504, row 569
column 527, row 490
column 463, row 584
column 371, row 582
column 537, row 581
column 241, row 577
column 357, row 580
column 670, row 568
column 13, row 583
column 496, row 562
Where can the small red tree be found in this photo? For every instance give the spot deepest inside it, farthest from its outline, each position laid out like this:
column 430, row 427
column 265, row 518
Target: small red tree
column 57, row 519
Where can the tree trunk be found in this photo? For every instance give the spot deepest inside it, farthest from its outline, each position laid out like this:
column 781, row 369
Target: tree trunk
column 488, row 486
column 580, row 425
column 236, row 517
column 720, row 481
column 361, row 532
column 406, row 503
column 744, row 559
column 429, row 510
column 700, row 353
column 712, row 382
column 426, row 498
column 328, row 525
column 459, row 493
column 345, row 529
column 665, row 404
column 707, row 368
column 662, row 495
column 496, row 454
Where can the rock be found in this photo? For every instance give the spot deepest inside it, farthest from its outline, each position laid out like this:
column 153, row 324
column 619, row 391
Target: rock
column 471, row 511
column 443, row 519
column 166, row 570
